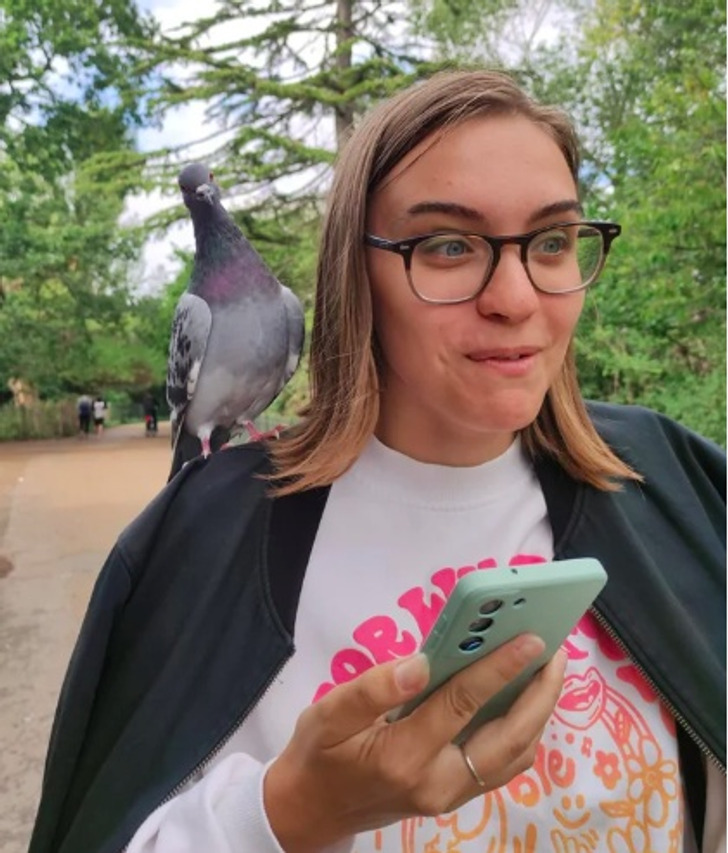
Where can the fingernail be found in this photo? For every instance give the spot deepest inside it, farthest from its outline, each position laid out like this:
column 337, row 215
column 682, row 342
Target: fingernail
column 412, row 673
column 530, row 645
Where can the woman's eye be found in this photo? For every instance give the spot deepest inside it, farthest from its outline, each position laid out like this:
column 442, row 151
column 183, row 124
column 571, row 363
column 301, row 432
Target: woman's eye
column 552, row 244
column 446, row 247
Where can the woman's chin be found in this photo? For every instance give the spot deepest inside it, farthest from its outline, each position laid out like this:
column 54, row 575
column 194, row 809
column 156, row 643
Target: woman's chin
column 508, row 420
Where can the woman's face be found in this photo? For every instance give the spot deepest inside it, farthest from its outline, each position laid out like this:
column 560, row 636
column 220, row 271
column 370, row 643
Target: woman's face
column 459, row 380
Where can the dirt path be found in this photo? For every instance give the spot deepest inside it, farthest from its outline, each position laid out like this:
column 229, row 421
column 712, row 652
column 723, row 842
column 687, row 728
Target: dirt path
column 62, row 505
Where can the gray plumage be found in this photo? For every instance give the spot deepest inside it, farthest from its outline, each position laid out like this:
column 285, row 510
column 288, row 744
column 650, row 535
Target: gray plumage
column 237, row 333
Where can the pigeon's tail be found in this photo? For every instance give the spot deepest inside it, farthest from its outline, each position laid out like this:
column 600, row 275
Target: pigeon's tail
column 187, row 447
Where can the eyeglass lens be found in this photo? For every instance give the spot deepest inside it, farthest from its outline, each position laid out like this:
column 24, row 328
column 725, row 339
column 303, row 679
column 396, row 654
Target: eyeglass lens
column 454, row 266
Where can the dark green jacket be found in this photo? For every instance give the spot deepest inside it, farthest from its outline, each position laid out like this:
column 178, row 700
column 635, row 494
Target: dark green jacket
column 193, row 615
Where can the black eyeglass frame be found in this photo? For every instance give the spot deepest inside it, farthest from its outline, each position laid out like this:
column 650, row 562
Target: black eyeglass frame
column 406, row 248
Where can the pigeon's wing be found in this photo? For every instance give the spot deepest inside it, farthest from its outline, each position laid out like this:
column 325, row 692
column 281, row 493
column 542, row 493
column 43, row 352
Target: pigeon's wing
column 294, row 315
column 190, row 333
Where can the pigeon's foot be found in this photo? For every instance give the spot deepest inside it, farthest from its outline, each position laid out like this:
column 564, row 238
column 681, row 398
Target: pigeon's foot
column 263, row 436
column 250, row 433
column 235, row 440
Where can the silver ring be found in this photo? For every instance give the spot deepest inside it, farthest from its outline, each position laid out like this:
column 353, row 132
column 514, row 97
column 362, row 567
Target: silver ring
column 471, row 767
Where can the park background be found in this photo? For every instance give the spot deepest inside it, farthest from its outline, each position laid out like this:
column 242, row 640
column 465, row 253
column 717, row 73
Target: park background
column 101, row 101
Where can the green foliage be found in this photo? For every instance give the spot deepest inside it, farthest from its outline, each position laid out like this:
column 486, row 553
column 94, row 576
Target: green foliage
column 657, row 335
column 499, row 32
column 55, row 53
column 67, row 104
column 42, row 419
column 281, row 92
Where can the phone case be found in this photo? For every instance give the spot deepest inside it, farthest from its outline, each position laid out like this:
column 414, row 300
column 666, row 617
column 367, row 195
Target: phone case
column 491, row 606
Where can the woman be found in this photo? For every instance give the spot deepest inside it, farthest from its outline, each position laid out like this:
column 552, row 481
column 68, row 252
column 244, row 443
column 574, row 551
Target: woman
column 445, row 434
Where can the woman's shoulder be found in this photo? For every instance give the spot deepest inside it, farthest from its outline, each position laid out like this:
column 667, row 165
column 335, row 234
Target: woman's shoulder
column 638, row 423
column 655, row 444
column 208, row 496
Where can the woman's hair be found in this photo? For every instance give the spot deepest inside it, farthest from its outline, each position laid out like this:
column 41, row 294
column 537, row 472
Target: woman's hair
column 344, row 357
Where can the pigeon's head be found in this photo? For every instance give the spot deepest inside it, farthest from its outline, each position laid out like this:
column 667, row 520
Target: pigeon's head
column 197, row 186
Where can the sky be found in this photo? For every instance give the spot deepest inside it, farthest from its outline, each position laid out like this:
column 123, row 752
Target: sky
column 158, row 264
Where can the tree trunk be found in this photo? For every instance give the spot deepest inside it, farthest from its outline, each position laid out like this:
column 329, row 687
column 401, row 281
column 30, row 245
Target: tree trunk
column 344, row 32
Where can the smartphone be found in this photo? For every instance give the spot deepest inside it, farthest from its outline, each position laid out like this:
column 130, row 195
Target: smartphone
column 489, row 607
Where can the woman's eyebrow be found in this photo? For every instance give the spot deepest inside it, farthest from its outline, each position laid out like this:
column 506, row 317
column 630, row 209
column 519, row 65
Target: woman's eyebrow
column 566, row 206
column 451, row 208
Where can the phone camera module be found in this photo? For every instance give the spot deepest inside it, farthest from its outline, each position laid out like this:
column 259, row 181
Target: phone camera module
column 480, row 625
column 490, row 606
column 471, row 644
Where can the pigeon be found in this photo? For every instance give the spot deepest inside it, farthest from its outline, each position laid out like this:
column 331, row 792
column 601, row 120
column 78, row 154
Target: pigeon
column 237, row 333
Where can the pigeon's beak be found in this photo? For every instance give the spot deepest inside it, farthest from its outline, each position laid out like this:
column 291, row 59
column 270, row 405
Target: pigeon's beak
column 205, row 192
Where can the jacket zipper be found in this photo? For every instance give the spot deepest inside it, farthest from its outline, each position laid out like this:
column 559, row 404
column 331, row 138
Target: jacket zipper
column 220, row 744
column 694, row 736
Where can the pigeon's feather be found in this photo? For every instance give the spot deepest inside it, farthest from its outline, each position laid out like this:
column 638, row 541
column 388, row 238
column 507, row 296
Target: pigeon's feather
column 294, row 315
column 190, row 333
column 237, row 335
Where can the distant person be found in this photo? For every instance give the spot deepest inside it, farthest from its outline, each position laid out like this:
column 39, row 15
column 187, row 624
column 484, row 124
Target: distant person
column 150, row 412
column 83, row 406
column 100, row 407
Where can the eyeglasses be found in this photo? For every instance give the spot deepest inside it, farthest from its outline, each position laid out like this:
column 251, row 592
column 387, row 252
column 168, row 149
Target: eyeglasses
column 451, row 266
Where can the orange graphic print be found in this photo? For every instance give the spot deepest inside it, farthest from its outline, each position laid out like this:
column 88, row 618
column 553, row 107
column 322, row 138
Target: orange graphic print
column 600, row 781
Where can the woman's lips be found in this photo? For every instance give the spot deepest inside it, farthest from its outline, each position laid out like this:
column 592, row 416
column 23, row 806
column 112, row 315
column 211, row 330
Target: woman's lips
column 513, row 361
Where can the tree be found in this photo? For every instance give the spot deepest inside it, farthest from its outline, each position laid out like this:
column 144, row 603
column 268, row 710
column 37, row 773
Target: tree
column 655, row 109
column 282, row 83
column 66, row 104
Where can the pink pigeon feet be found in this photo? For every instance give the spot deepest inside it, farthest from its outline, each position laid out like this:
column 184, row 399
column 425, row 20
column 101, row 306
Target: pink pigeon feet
column 254, row 434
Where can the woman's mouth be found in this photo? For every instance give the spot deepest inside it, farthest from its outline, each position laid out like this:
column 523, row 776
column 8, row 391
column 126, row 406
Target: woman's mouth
column 508, row 362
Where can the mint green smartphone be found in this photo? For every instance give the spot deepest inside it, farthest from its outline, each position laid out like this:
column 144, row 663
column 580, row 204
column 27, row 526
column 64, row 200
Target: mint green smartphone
column 489, row 607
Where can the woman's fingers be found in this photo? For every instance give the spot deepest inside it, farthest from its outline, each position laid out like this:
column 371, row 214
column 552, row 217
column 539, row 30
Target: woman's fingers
column 355, row 706
column 451, row 707
column 345, row 769
column 502, row 748
column 507, row 746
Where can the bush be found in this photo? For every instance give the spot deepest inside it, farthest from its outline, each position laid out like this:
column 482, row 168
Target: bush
column 42, row 419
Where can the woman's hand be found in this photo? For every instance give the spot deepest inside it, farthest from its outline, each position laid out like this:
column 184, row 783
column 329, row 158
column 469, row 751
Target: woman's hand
column 346, row 769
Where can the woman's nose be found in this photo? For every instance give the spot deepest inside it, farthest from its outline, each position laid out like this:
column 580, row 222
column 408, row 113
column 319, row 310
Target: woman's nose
column 509, row 293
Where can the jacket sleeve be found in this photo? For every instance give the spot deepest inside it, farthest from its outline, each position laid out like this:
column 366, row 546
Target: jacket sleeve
column 223, row 812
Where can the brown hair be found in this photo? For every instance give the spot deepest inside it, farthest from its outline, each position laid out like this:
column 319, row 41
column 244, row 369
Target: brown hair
column 344, row 376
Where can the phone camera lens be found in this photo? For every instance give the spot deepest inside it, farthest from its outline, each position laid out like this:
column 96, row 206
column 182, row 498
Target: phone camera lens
column 480, row 625
column 471, row 644
column 490, row 606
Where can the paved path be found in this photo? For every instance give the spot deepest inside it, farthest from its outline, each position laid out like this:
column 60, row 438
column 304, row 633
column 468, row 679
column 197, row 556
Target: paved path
column 62, row 505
